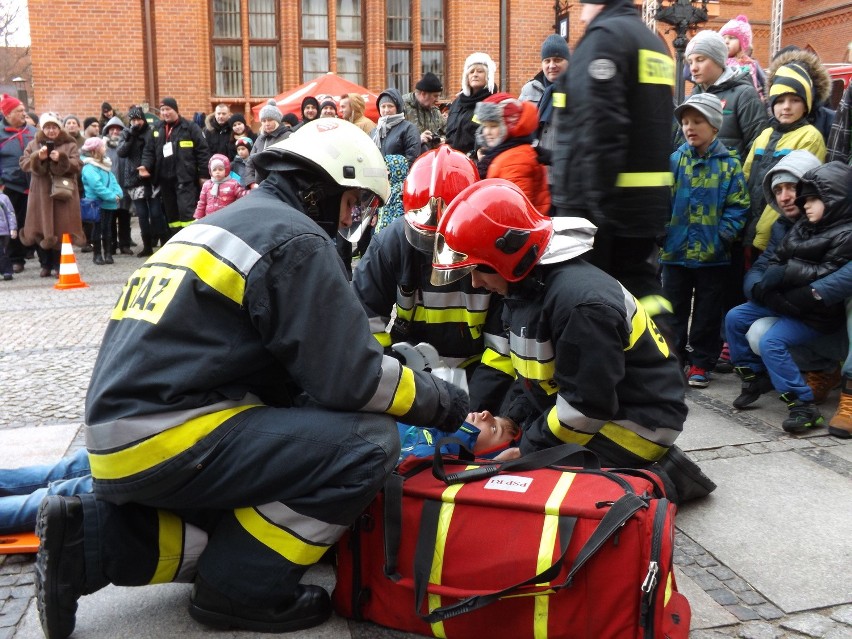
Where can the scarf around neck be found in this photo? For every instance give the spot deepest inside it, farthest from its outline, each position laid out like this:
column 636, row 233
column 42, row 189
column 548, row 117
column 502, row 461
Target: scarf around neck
column 386, row 123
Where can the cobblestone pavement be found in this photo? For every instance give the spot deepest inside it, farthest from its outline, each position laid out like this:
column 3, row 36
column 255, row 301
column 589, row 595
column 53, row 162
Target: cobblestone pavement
column 48, row 344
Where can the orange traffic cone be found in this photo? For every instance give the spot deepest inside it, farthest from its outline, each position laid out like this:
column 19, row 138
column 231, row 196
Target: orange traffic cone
column 69, row 276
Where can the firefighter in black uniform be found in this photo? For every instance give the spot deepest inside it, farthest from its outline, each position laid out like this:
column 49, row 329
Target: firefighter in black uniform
column 462, row 322
column 613, row 112
column 240, row 414
column 592, row 367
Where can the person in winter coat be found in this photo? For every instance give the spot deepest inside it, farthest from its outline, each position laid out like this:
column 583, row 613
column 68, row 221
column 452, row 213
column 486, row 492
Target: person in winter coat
column 137, row 147
column 271, row 131
column 310, row 109
column 220, row 190
column 239, row 166
column 218, row 132
column 181, row 155
column 394, row 135
column 51, row 155
column 504, row 138
column 420, row 110
column 482, row 433
column 8, row 232
column 99, row 183
column 818, row 244
column 352, row 107
column 797, row 82
column 121, row 239
column 610, row 160
column 738, row 36
column 478, row 82
column 709, row 206
column 71, row 124
column 15, row 136
column 239, row 129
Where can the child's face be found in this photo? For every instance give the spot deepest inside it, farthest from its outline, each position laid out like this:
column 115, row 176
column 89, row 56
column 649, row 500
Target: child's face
column 492, row 432
column 238, row 127
column 814, row 209
column 491, row 133
column 243, row 152
column 733, row 45
column 785, row 195
column 218, row 172
column 789, row 108
column 697, row 130
column 704, row 70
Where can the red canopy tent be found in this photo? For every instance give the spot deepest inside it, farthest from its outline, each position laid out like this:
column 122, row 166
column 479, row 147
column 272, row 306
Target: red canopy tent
column 325, row 85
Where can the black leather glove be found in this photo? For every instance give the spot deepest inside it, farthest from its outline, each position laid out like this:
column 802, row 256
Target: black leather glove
column 776, row 302
column 773, row 277
column 454, row 410
column 802, row 298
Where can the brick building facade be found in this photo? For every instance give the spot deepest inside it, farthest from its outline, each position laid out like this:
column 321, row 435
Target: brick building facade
column 242, row 51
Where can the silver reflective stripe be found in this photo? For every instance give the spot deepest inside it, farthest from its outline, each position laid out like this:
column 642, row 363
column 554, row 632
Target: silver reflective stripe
column 454, row 362
column 528, row 348
column 194, row 543
column 569, row 415
column 119, row 433
column 382, row 398
column 378, row 324
column 474, row 302
column 406, row 302
column 497, row 343
column 630, row 308
column 306, row 528
column 662, row 436
column 223, row 243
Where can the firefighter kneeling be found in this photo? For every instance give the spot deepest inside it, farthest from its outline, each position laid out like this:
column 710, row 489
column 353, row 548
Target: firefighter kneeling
column 592, row 368
column 240, row 414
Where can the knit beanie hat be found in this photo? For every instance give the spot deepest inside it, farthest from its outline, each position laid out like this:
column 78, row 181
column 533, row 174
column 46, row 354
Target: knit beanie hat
column 490, row 70
column 93, row 144
column 89, row 121
column 740, row 29
column 554, row 46
column 169, row 102
column 711, row 44
column 792, row 78
column 8, row 104
column 429, row 83
column 310, row 100
column 707, row 105
column 330, row 103
column 245, row 141
column 270, row 111
column 70, row 117
column 135, row 113
column 505, row 110
column 237, row 117
column 49, row 118
column 218, row 158
column 291, row 119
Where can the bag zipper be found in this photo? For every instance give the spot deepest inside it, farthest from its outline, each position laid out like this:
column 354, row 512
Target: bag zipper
column 649, row 585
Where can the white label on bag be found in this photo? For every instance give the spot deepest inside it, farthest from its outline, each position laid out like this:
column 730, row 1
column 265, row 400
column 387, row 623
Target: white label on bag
column 511, row 483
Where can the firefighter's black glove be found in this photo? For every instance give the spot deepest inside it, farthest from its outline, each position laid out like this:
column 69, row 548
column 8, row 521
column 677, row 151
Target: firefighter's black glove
column 454, row 409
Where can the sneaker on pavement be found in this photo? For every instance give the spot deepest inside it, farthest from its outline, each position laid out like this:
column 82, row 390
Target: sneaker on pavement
column 698, row 377
column 723, row 363
column 754, row 385
column 60, row 572
column 822, row 383
column 308, row 607
column 804, row 415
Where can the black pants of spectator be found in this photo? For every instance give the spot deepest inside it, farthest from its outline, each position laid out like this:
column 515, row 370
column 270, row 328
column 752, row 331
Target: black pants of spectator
column 179, row 200
column 48, row 258
column 121, row 230
column 707, row 286
column 18, row 252
column 5, row 262
column 732, row 294
column 152, row 221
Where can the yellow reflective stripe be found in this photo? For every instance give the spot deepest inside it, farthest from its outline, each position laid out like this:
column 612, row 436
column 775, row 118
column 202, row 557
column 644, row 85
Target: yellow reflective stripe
column 632, row 442
column 170, row 539
column 403, row 397
column 650, row 178
column 639, row 322
column 533, row 369
column 437, row 569
column 449, row 316
column 656, row 305
column 217, row 274
column 498, row 361
column 655, row 68
column 668, row 589
column 159, row 448
column 283, row 542
column 384, row 339
column 559, row 100
column 180, row 224
column 563, row 433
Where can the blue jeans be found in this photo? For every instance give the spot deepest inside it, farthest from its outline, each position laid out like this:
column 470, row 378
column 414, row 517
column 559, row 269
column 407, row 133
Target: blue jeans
column 775, row 345
column 22, row 489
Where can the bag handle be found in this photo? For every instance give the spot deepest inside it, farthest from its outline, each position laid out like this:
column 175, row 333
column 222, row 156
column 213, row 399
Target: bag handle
column 532, row 461
column 620, row 512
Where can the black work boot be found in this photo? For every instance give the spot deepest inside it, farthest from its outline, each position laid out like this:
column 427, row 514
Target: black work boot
column 146, row 246
column 804, row 415
column 60, row 570
column 754, row 385
column 310, row 606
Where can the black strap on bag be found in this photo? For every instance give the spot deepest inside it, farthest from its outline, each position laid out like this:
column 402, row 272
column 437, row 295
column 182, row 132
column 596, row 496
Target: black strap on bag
column 620, row 512
column 392, row 525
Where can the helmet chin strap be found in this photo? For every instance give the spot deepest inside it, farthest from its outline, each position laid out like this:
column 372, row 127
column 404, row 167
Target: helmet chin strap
column 322, row 205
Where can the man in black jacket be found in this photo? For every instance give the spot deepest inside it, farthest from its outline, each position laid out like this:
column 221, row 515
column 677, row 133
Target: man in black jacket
column 180, row 156
column 218, row 132
column 611, row 155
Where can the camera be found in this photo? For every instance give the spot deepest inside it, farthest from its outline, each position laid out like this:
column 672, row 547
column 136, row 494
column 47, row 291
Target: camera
column 50, row 144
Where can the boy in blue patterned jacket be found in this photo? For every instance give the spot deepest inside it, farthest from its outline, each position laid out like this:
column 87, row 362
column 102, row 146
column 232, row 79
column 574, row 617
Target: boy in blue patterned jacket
column 709, row 205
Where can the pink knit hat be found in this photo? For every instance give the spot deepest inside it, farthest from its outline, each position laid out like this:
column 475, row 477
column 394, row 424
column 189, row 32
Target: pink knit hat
column 740, row 29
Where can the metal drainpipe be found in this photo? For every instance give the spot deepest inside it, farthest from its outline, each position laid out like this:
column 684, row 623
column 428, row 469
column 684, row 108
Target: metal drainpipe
column 149, row 53
column 504, row 36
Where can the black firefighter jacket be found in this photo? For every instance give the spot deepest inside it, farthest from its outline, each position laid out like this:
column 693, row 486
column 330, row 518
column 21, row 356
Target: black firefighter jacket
column 189, row 155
